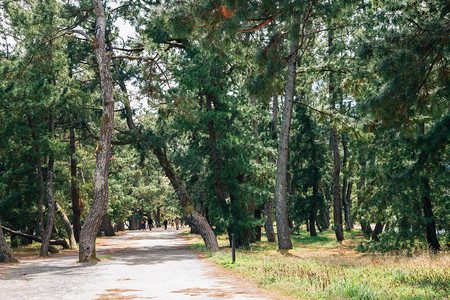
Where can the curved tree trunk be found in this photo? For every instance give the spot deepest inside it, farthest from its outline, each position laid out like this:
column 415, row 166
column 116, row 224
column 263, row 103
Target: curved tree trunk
column 284, row 239
column 67, row 225
column 6, row 254
column 189, row 212
column 98, row 210
column 377, row 231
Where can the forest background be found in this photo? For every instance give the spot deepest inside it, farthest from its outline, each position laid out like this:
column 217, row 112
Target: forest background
column 324, row 113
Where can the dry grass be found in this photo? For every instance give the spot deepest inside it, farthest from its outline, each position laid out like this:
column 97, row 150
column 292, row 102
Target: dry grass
column 320, row 268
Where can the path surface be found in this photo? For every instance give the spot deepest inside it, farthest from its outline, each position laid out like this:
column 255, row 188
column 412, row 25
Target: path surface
column 137, row 265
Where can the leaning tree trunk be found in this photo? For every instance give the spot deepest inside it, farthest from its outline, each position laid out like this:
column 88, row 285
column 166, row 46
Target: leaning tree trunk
column 6, row 254
column 98, row 210
column 281, row 213
column 189, row 212
column 67, row 225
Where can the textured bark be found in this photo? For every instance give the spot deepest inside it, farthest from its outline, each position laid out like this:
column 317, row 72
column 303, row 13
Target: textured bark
column 133, row 223
column 189, row 212
column 337, row 208
column 50, row 209
column 107, row 226
column 430, row 225
column 281, row 213
column 98, row 210
column 67, row 225
column 268, row 205
column 6, row 254
column 73, row 186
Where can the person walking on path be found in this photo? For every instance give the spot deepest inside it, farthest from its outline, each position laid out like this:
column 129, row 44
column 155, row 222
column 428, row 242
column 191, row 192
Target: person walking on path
column 165, row 224
column 150, row 223
column 142, row 224
column 172, row 224
column 177, row 222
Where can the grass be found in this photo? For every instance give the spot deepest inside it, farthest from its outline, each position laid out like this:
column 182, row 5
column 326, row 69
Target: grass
column 320, row 268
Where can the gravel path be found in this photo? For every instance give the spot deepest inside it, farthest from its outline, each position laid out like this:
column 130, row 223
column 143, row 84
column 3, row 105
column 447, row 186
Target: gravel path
column 137, row 265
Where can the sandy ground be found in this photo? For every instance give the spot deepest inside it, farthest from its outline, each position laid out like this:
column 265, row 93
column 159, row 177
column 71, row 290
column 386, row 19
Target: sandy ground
column 137, row 265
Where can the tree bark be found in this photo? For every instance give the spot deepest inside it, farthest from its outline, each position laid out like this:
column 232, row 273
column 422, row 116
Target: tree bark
column 107, row 226
column 281, row 213
column 6, row 254
column 98, row 210
column 189, row 212
column 67, row 225
column 430, row 225
column 337, row 208
column 348, row 207
column 50, row 207
column 73, row 185
column 268, row 205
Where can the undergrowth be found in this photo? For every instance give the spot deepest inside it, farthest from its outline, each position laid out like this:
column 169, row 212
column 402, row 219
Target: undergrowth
column 319, row 268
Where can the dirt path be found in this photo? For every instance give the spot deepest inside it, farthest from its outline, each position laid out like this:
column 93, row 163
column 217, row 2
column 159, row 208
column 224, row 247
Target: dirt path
column 137, row 265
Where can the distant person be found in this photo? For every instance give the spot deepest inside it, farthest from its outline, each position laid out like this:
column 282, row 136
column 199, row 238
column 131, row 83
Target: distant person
column 181, row 223
column 150, row 223
column 142, row 224
column 177, row 222
column 165, row 224
column 172, row 224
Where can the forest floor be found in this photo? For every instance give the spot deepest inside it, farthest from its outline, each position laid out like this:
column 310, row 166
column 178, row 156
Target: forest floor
column 320, row 268
column 133, row 265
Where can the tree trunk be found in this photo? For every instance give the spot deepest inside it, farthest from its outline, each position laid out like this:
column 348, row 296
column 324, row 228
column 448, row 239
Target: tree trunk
column 268, row 206
column 189, row 212
column 281, row 213
column 313, row 211
column 430, row 225
column 73, row 185
column 98, row 210
column 67, row 225
column 107, row 226
column 348, row 201
column 50, row 207
column 120, row 225
column 337, row 209
column 190, row 215
column 377, row 231
column 133, row 223
column 6, row 254
column 158, row 216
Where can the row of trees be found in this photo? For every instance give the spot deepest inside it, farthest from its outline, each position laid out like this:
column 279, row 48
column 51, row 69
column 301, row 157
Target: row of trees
column 300, row 110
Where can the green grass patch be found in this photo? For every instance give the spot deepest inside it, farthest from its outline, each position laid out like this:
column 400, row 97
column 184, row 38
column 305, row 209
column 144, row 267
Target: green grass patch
column 320, row 268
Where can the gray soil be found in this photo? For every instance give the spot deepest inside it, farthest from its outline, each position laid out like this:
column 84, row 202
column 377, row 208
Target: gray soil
column 136, row 265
